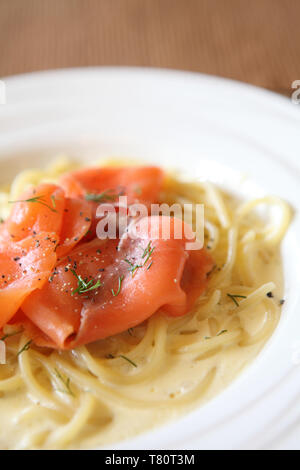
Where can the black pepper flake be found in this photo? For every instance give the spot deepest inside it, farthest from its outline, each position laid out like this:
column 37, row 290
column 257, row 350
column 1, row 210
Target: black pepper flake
column 17, row 258
column 66, row 210
column 281, row 301
column 76, row 239
column 87, row 219
column 98, row 252
column 270, row 294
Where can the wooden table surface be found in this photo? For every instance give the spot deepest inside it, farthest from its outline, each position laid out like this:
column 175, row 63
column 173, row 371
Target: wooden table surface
column 255, row 41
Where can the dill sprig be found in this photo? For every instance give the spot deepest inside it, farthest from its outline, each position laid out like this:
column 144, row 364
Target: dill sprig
column 25, row 347
column 133, row 267
column 84, row 285
column 148, row 252
column 233, row 297
column 119, row 287
column 111, row 356
column 9, row 335
column 148, row 267
column 145, row 256
column 128, row 360
column 66, row 382
column 104, row 196
column 36, row 199
column 138, row 190
column 222, row 332
column 218, row 334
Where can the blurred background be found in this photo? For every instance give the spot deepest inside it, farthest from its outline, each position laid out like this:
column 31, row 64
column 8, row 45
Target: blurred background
column 255, row 41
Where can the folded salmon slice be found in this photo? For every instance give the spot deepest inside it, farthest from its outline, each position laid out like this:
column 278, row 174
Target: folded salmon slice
column 75, row 224
column 105, row 185
column 105, row 287
column 42, row 226
column 46, row 209
column 24, row 267
column 38, row 210
column 137, row 183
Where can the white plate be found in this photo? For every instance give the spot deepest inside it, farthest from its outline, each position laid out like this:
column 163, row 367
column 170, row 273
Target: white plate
column 240, row 136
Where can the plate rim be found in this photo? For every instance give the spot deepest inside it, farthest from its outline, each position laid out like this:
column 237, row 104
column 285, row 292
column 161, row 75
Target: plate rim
column 242, row 87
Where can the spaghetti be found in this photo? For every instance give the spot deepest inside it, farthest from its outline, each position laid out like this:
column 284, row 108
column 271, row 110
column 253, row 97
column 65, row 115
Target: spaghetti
column 118, row 387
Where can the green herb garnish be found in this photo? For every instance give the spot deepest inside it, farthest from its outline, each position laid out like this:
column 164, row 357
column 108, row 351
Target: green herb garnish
column 8, row 335
column 105, row 196
column 138, row 190
column 133, row 267
column 25, row 347
column 147, row 253
column 219, row 334
column 36, row 199
column 149, row 265
column 128, row 360
column 233, row 297
column 222, row 332
column 119, row 288
column 145, row 256
column 111, row 356
column 84, row 285
column 66, row 383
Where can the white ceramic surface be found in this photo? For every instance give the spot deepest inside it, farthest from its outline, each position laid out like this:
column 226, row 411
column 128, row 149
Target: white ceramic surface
column 242, row 137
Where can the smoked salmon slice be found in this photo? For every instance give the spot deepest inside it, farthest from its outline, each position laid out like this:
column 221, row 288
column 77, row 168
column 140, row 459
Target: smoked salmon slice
column 24, row 267
column 46, row 208
column 105, row 287
column 107, row 183
column 42, row 226
column 75, row 224
column 38, row 210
